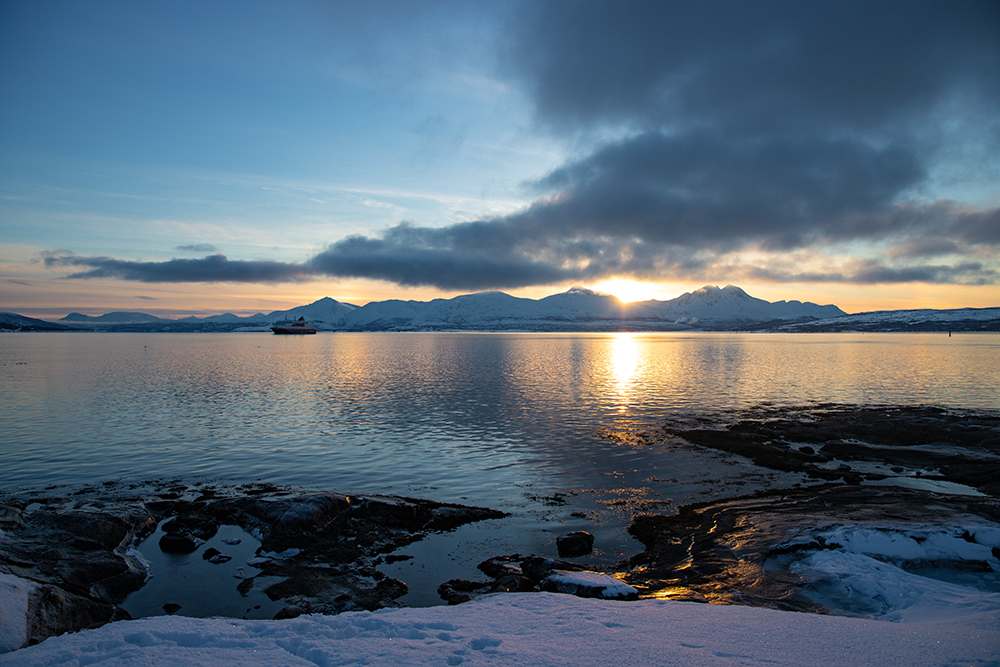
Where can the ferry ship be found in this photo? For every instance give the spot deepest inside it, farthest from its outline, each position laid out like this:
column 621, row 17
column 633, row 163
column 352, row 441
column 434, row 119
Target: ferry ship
column 299, row 326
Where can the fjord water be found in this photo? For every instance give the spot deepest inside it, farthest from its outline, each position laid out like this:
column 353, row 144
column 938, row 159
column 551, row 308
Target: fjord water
column 394, row 412
column 505, row 420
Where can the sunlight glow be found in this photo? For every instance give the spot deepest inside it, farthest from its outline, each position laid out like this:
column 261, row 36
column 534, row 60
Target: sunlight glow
column 628, row 290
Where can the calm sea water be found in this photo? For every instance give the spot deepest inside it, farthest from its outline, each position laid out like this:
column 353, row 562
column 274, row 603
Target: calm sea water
column 501, row 420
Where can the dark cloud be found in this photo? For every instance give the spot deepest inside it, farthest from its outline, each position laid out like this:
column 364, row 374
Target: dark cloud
column 197, row 247
column 970, row 273
column 705, row 189
column 214, row 268
column 928, row 247
column 757, row 66
column 871, row 272
column 763, row 126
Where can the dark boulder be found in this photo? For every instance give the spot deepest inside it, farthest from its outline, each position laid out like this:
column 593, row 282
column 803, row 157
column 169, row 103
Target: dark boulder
column 177, row 544
column 575, row 544
column 538, row 568
column 192, row 524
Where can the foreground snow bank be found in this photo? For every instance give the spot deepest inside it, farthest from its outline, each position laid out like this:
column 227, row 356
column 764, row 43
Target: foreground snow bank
column 533, row 629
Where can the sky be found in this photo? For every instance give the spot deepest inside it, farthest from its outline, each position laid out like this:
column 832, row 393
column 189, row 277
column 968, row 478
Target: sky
column 183, row 158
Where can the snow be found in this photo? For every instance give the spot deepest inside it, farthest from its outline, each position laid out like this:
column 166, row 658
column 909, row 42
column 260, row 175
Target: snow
column 612, row 588
column 532, row 629
column 14, row 593
column 875, row 588
column 939, row 319
column 893, row 616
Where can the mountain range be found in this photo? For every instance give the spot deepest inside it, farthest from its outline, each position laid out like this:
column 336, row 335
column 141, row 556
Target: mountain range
column 578, row 309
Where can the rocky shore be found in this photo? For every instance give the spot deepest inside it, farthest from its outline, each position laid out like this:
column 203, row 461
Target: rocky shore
column 904, row 478
column 319, row 552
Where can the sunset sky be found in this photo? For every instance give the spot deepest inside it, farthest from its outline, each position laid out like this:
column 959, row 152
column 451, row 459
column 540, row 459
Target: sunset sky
column 186, row 158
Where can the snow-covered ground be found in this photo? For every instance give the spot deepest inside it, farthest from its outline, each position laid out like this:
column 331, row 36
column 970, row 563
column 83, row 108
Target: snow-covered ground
column 534, row 629
column 909, row 620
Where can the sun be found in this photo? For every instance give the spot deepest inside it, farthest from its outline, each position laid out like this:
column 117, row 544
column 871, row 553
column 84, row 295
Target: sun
column 628, row 290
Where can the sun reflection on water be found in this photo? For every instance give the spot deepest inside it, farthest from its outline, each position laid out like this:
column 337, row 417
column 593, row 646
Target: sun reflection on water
column 625, row 359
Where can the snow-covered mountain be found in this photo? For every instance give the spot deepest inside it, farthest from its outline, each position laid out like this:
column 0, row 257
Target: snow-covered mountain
column 578, row 309
column 711, row 307
column 15, row 322
column 382, row 315
column 325, row 310
column 117, row 317
column 924, row 319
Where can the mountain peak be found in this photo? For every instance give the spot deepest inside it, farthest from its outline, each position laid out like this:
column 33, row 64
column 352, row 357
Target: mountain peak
column 733, row 290
column 585, row 291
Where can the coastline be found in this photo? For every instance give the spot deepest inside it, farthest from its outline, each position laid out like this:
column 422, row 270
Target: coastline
column 321, row 552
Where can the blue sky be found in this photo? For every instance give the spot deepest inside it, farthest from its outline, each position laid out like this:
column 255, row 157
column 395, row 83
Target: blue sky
column 186, row 158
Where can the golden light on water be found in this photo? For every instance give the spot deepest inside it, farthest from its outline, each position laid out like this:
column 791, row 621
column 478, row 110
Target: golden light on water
column 624, row 365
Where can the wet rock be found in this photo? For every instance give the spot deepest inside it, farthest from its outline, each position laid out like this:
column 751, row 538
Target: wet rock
column 192, row 524
column 716, row 551
column 538, row 568
column 319, row 549
column 500, row 566
column 457, row 591
column 517, row 574
column 171, row 607
column 571, row 545
column 177, row 544
column 210, row 553
column 397, row 558
column 962, row 446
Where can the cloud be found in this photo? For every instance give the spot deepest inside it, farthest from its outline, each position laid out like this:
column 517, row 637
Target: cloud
column 765, row 66
column 214, row 268
column 197, row 247
column 705, row 131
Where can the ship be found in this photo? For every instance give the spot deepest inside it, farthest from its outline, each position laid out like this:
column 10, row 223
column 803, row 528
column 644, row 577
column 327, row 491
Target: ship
column 299, row 326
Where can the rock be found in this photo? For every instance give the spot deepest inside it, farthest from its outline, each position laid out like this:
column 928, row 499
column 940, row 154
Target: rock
column 457, row 591
column 575, row 544
column 961, row 446
column 729, row 551
column 535, row 573
column 317, row 550
column 192, row 524
column 397, row 558
column 588, row 585
column 177, row 544
column 53, row 610
column 500, row 566
column 538, row 568
column 171, row 607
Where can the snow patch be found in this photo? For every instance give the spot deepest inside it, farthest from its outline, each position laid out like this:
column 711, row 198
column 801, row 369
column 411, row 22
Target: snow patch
column 14, row 594
column 569, row 582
